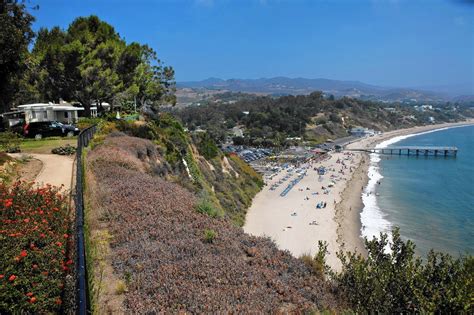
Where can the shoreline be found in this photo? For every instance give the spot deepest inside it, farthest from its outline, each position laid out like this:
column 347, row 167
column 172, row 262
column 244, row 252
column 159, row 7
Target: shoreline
column 356, row 240
column 285, row 220
column 348, row 210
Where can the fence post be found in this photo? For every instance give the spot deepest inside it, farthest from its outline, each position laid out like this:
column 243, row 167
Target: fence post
column 83, row 299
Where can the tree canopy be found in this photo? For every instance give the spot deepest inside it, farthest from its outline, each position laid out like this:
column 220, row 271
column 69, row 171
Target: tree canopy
column 270, row 121
column 89, row 63
column 15, row 36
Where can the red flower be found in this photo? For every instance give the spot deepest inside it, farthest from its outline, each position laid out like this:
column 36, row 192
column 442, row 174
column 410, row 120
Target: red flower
column 66, row 236
column 12, row 278
column 29, row 294
column 8, row 202
column 24, row 253
column 26, row 220
column 58, row 301
column 35, row 266
column 32, row 300
column 59, row 244
column 2, row 276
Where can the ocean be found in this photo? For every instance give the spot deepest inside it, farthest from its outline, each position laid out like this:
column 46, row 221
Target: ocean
column 431, row 199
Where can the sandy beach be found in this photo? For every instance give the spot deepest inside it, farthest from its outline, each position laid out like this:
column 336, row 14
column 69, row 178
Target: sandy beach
column 294, row 222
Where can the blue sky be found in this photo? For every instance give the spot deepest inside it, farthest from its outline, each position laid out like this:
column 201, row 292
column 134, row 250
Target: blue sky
column 393, row 43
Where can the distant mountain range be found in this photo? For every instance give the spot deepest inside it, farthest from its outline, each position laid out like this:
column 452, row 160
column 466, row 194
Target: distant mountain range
column 295, row 86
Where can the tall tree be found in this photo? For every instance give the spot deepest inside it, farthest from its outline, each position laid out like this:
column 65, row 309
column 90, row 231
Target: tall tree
column 91, row 63
column 15, row 36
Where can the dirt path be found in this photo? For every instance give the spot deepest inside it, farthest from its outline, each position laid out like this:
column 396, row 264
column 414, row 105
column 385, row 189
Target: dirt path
column 56, row 169
column 28, row 170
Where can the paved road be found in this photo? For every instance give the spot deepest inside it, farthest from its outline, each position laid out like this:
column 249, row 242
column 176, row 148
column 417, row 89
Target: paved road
column 56, row 170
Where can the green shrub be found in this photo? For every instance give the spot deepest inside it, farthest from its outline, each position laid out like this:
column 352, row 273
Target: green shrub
column 121, row 287
column 205, row 207
column 209, row 236
column 321, row 121
column 397, row 281
column 9, row 142
column 66, row 150
column 206, row 146
column 140, row 130
column 317, row 264
column 85, row 122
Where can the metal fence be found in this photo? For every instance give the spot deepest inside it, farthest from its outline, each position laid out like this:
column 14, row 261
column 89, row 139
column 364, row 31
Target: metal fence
column 83, row 301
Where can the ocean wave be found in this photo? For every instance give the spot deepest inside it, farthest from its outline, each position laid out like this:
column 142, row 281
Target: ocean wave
column 372, row 218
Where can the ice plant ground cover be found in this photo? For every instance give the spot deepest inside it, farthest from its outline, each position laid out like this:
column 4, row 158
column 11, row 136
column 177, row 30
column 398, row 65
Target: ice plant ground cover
column 172, row 258
column 34, row 241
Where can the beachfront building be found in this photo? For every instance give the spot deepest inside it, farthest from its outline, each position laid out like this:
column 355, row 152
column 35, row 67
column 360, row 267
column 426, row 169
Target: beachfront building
column 361, row 132
column 63, row 112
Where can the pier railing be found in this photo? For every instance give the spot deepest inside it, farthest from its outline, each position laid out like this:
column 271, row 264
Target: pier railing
column 412, row 150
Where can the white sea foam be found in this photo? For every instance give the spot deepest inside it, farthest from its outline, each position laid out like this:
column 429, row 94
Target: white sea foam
column 372, row 217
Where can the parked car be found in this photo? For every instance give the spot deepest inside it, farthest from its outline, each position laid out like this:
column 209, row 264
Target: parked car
column 16, row 128
column 42, row 129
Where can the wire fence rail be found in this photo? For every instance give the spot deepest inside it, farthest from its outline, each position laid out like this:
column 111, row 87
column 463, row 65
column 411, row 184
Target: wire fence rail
column 82, row 299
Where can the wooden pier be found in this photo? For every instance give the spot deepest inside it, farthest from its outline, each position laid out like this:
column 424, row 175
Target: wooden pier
column 412, row 150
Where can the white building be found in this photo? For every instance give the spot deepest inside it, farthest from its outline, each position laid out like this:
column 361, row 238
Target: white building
column 106, row 107
column 237, row 132
column 423, row 108
column 63, row 112
column 361, row 132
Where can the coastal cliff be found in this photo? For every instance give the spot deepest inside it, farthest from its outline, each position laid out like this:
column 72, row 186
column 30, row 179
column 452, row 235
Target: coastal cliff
column 159, row 238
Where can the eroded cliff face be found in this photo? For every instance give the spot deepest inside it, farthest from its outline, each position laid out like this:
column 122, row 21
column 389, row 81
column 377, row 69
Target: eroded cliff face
column 224, row 184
